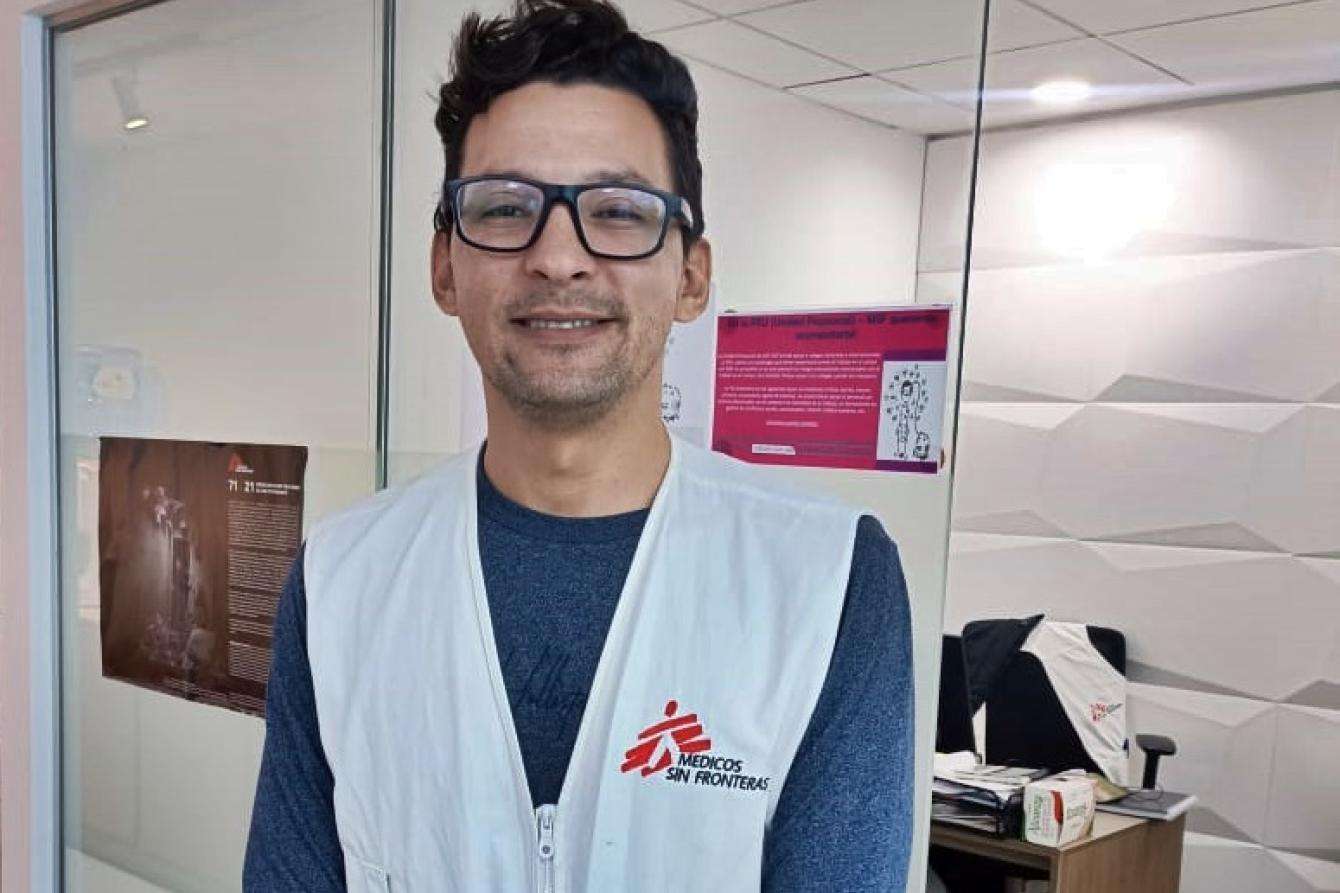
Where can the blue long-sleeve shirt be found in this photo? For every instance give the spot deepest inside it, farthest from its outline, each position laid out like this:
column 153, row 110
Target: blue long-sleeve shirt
column 843, row 820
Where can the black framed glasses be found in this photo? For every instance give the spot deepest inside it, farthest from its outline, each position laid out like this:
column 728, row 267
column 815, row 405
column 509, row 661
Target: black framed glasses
column 613, row 220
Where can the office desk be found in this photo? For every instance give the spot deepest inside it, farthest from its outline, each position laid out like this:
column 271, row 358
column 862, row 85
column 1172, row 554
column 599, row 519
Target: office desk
column 1122, row 855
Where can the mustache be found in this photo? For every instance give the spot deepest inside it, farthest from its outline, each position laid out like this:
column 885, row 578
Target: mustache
column 583, row 301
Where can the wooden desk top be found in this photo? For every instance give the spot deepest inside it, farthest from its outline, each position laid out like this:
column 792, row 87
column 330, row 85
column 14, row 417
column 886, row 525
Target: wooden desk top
column 1021, row 852
column 1123, row 854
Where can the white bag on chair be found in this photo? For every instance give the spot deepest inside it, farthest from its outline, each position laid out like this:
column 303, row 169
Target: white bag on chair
column 1091, row 692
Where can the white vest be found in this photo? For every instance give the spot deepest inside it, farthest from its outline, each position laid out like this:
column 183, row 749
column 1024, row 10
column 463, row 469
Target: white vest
column 730, row 610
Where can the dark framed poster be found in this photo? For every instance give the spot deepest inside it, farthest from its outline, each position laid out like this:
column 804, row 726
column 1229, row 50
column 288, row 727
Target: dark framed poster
column 195, row 540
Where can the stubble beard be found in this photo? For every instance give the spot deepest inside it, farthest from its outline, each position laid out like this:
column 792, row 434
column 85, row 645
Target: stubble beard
column 559, row 400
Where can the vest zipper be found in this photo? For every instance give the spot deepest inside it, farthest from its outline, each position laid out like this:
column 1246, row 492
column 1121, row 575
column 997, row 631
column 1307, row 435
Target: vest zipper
column 544, row 825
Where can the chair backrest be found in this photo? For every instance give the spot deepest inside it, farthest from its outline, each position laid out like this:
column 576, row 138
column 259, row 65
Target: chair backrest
column 1025, row 722
column 953, row 727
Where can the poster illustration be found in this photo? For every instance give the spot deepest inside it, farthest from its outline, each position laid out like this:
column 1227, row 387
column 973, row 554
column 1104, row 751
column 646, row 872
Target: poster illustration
column 195, row 541
column 833, row 389
column 686, row 379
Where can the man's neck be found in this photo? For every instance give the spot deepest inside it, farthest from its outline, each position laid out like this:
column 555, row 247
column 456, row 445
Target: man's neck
column 608, row 468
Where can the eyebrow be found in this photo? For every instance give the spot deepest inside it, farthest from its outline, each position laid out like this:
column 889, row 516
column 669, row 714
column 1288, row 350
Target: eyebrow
column 600, row 175
column 619, row 175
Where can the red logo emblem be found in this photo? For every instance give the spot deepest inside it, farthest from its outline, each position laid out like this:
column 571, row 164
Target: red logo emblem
column 685, row 731
column 1100, row 711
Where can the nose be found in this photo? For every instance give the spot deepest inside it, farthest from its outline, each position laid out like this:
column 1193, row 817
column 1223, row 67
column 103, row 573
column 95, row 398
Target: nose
column 558, row 254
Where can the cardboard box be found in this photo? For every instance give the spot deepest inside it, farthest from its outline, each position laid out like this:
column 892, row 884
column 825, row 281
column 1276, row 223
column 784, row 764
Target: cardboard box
column 1058, row 810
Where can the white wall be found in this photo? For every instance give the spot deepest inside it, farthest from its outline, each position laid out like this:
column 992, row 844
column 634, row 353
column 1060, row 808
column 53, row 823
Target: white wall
column 804, row 206
column 1150, row 433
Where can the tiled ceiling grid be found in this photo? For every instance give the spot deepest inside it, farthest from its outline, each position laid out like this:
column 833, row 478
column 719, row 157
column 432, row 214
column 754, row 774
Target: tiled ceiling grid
column 912, row 64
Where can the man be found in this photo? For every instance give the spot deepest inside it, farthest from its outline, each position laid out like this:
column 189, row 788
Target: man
column 581, row 658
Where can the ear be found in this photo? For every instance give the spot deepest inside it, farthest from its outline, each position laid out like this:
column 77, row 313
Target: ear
column 442, row 275
column 695, row 282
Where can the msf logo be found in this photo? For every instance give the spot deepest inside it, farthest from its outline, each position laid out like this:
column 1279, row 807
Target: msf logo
column 652, row 752
column 1100, row 711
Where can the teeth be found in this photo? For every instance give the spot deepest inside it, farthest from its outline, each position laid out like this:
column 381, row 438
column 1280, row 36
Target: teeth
column 560, row 324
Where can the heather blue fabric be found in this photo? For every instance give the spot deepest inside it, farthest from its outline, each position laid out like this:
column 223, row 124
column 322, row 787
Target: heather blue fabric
column 843, row 821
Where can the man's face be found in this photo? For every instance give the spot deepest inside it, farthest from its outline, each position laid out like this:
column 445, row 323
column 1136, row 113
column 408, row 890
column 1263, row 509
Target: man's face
column 566, row 377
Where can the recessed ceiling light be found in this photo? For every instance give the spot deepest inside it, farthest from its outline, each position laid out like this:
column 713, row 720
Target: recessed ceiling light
column 133, row 116
column 1066, row 92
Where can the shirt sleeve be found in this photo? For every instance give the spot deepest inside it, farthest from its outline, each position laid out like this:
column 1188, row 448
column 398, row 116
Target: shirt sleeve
column 844, row 817
column 293, row 844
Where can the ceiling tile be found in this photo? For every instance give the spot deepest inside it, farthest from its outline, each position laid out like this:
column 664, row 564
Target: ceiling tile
column 874, row 36
column 735, row 7
column 656, row 15
column 1279, row 47
column 747, row 52
column 1118, row 80
column 886, row 103
column 1105, row 16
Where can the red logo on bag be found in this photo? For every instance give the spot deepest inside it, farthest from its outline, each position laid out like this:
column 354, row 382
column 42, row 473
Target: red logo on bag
column 1100, row 711
column 685, row 731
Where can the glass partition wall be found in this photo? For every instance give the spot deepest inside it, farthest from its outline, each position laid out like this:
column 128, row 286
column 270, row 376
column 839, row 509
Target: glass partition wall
column 1151, row 394
column 224, row 259
column 217, row 211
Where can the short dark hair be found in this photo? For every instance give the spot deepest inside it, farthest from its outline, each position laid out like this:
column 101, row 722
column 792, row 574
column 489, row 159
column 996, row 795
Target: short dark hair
column 571, row 42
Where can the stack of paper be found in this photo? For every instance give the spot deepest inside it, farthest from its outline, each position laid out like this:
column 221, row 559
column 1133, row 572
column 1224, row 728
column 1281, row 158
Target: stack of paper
column 988, row 798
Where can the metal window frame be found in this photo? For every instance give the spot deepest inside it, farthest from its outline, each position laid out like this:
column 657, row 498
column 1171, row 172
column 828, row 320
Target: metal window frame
column 44, row 754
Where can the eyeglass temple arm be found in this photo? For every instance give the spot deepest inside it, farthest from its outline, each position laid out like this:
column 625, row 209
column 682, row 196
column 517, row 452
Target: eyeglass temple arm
column 685, row 211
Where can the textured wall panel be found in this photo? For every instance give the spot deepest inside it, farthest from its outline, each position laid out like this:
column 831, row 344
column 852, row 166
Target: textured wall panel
column 1150, row 440
column 1304, row 873
column 1261, row 476
column 1004, row 449
column 1204, row 328
column 1216, row 620
column 1305, row 794
column 1295, row 495
column 1224, row 749
column 1219, row 865
column 1255, row 175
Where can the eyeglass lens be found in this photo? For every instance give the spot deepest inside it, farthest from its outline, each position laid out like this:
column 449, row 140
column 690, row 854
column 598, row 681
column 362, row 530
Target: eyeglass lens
column 616, row 220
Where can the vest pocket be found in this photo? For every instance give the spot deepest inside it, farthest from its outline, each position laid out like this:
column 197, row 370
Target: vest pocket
column 361, row 876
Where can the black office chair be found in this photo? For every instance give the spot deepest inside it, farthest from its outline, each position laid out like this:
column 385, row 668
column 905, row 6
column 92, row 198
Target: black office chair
column 1025, row 722
column 953, row 726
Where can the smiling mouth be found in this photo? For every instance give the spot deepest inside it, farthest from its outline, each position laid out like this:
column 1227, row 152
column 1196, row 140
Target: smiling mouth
column 560, row 323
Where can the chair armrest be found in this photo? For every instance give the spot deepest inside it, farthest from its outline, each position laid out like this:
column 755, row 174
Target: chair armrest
column 1154, row 746
column 1157, row 744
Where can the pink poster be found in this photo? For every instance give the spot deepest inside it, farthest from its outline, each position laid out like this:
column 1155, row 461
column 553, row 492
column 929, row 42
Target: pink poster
column 845, row 389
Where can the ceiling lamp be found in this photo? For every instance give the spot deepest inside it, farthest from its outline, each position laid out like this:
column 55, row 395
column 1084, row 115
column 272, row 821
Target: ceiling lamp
column 1064, row 92
column 132, row 116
